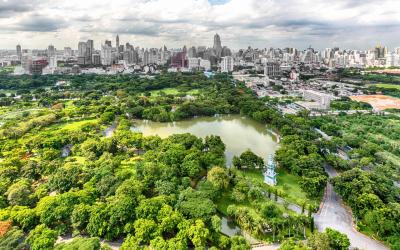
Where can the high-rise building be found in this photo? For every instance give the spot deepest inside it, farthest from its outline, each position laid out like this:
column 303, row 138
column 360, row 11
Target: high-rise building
column 53, row 62
column 117, row 42
column 178, row 60
column 38, row 65
column 192, row 52
column 193, row 63
column 227, row 64
column 67, row 52
column 272, row 69
column 217, row 46
column 82, row 49
column 380, row 52
column 19, row 52
column 146, row 58
column 106, row 54
column 226, row 52
column 26, row 63
column 89, row 51
column 51, row 51
column 205, row 64
column 96, row 59
column 108, row 43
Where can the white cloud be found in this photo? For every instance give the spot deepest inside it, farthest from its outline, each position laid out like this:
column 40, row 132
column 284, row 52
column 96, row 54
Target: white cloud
column 152, row 23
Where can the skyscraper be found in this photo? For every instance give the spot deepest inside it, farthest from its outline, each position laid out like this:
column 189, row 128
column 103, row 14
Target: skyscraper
column 82, row 53
column 51, row 51
column 89, row 51
column 380, row 52
column 217, row 46
column 227, row 64
column 105, row 55
column 117, row 42
column 19, row 52
column 81, row 49
column 67, row 52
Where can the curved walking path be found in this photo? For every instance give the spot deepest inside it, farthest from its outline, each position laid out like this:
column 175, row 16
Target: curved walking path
column 334, row 214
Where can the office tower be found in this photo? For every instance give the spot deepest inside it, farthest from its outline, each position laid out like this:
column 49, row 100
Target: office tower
column 108, row 43
column 53, row 62
column 128, row 47
column 217, row 46
column 51, row 51
column 38, row 65
column 193, row 63
column 89, row 51
column 82, row 49
column 146, row 57
column 205, row 64
column 227, row 64
column 67, row 52
column 19, row 52
column 380, row 52
column 26, row 63
column 192, row 52
column 272, row 69
column 96, row 59
column 106, row 54
column 226, row 52
column 117, row 42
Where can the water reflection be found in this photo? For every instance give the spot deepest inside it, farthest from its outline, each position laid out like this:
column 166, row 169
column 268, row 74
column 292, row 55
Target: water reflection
column 238, row 133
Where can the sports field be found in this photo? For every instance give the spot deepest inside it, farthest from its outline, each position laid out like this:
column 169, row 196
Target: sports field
column 379, row 102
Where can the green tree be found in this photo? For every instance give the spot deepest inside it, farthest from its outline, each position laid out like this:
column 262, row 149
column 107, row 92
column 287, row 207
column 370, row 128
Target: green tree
column 41, row 238
column 337, row 240
column 218, row 177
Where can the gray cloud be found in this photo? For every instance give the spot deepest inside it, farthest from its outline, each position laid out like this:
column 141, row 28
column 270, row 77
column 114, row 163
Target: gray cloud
column 37, row 23
column 9, row 8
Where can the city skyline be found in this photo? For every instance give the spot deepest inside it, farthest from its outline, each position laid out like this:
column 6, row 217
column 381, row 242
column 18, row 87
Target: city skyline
column 348, row 24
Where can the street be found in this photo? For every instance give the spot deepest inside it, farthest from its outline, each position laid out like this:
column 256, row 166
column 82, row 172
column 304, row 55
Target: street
column 335, row 215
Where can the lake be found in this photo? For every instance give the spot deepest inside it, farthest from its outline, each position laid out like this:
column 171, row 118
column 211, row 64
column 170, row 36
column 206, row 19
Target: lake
column 237, row 132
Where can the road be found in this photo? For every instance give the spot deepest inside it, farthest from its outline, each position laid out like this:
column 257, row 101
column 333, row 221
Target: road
column 334, row 214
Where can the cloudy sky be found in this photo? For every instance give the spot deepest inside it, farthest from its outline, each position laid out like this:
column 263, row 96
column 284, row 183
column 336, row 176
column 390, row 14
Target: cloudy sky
column 354, row 24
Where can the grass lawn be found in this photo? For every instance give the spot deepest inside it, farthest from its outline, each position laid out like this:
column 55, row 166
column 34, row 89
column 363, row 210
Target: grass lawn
column 73, row 125
column 288, row 184
column 172, row 91
column 388, row 86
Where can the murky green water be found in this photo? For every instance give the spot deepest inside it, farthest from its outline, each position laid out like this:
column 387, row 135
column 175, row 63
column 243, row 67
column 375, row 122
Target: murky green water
column 238, row 133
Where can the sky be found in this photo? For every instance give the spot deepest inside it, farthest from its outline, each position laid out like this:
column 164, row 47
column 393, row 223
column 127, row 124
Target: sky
column 354, row 24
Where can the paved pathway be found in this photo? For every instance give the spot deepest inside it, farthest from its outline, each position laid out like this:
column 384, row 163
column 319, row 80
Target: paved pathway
column 334, row 214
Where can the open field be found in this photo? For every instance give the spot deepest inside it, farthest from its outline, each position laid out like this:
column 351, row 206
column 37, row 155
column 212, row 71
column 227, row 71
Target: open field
column 172, row 91
column 387, row 86
column 288, row 184
column 378, row 102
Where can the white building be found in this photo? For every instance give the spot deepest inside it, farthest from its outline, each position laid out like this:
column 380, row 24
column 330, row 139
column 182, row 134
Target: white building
column 392, row 59
column 205, row 64
column 324, row 100
column 193, row 63
column 26, row 63
column 52, row 62
column 106, row 54
column 227, row 64
column 67, row 52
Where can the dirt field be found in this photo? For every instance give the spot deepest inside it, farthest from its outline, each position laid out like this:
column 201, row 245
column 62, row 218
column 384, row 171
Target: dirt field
column 378, row 102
